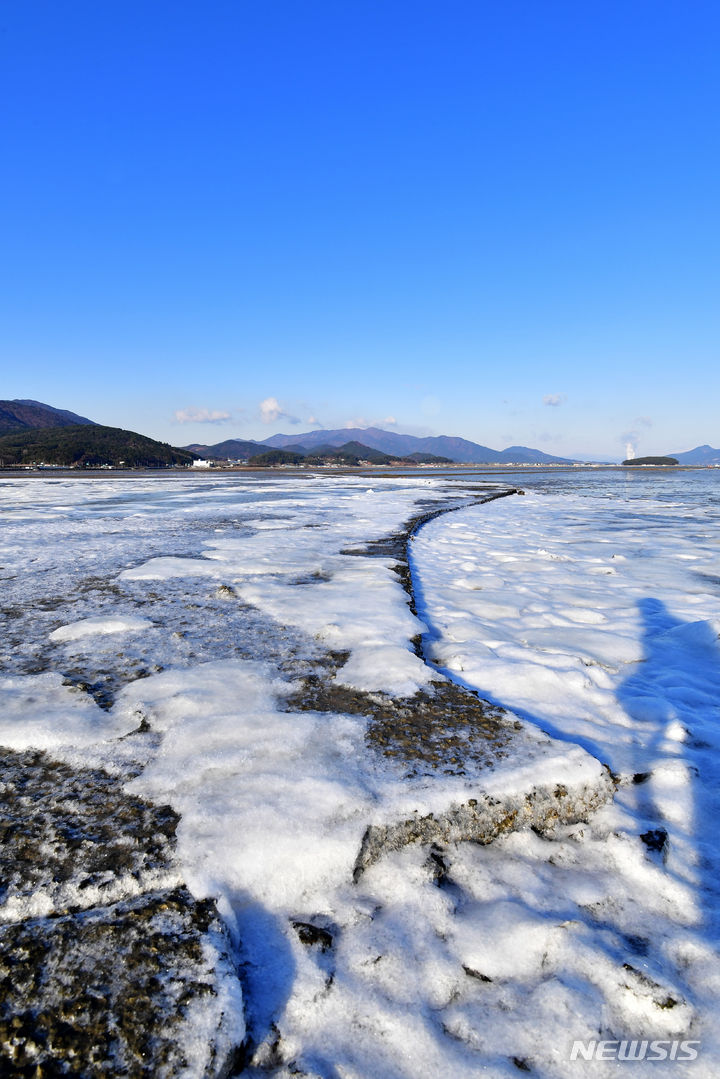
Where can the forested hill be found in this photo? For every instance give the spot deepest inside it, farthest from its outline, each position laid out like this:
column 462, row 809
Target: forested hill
column 665, row 462
column 88, row 445
column 32, row 415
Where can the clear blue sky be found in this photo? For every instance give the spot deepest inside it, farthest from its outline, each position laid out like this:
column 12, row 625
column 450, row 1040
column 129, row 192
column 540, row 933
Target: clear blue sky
column 490, row 219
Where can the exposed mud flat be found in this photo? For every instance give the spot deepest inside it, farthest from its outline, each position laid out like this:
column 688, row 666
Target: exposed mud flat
column 71, row 836
column 132, row 989
column 108, row 966
column 443, row 728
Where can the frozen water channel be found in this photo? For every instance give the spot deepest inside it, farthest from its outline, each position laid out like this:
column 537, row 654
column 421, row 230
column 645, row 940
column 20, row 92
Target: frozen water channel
column 159, row 629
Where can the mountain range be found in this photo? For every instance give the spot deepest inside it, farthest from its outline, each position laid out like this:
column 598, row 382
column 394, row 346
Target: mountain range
column 31, row 430
column 458, row 450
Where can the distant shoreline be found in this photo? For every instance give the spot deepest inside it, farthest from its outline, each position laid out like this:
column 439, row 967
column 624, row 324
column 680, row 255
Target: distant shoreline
column 69, row 472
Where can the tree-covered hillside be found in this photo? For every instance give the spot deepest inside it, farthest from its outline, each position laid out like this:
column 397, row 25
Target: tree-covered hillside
column 276, row 457
column 665, row 462
column 26, row 415
column 87, row 445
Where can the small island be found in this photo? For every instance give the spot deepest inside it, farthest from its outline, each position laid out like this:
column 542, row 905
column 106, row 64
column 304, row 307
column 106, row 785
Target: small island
column 662, row 461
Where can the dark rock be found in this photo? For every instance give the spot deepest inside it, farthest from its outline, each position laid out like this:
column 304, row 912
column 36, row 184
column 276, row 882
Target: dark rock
column 438, row 865
column 656, row 840
column 476, row 974
column 485, row 818
column 643, row 985
column 312, row 935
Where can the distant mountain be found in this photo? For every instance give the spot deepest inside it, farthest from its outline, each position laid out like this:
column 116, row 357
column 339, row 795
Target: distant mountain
column 273, row 457
column 20, row 415
column 701, row 455
column 232, row 449
column 397, row 445
column 352, row 451
column 428, row 459
column 292, row 448
column 524, row 455
column 389, row 442
column 351, row 454
column 87, row 445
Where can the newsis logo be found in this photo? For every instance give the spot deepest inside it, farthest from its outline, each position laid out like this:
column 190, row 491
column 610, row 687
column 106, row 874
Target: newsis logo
column 636, row 1049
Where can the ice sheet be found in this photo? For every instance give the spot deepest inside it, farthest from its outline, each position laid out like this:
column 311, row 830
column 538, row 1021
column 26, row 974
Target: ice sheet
column 592, row 621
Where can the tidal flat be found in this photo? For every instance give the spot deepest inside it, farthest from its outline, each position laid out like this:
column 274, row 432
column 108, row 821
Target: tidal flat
column 359, row 775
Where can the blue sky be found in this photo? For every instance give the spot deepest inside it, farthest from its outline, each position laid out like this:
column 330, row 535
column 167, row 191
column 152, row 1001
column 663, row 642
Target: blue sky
column 494, row 220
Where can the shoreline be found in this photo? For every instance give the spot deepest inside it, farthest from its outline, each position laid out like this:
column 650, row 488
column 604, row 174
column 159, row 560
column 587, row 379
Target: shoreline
column 379, row 471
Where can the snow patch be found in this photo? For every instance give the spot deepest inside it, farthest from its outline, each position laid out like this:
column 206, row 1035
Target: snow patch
column 91, row 627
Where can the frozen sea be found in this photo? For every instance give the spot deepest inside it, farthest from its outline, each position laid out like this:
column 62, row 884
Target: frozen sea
column 589, row 608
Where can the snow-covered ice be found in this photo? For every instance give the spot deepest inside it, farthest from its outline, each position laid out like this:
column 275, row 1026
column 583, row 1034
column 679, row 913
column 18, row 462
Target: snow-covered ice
column 90, row 627
column 597, row 620
column 41, row 712
column 590, row 608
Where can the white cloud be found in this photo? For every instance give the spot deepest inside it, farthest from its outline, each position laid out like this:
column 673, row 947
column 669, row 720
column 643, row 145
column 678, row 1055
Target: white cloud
column 271, row 410
column 361, row 422
column 201, row 415
column 554, row 399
